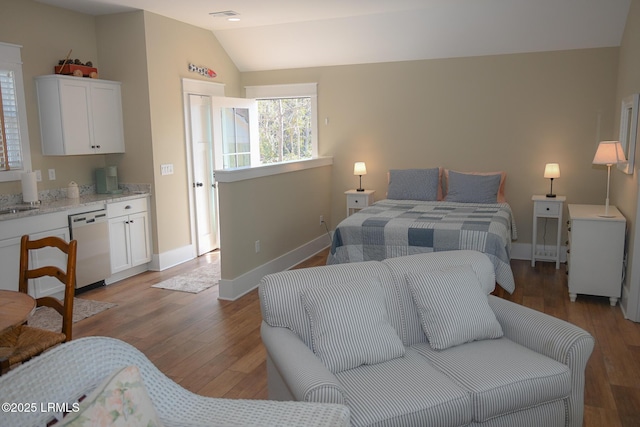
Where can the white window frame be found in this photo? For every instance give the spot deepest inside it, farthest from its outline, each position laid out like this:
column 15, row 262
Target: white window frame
column 11, row 59
column 294, row 90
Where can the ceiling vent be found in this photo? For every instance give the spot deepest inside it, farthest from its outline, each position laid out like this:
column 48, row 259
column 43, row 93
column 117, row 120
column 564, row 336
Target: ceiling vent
column 224, row 14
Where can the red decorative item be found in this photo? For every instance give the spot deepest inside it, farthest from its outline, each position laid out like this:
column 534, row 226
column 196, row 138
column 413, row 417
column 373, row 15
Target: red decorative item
column 75, row 70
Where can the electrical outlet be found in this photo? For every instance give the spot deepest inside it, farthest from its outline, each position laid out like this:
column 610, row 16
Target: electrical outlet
column 257, row 246
column 52, row 174
column 321, row 219
column 38, row 175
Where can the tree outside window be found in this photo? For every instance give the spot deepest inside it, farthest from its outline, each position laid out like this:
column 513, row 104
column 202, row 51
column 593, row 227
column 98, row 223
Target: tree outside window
column 285, row 129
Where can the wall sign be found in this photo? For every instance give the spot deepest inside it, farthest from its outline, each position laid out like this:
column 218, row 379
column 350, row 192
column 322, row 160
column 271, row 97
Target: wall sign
column 207, row 72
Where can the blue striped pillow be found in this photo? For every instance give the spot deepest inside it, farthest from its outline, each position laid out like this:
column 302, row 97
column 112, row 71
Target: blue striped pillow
column 452, row 307
column 349, row 324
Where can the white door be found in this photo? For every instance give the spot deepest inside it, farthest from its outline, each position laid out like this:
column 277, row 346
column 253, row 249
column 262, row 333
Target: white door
column 235, row 132
column 203, row 185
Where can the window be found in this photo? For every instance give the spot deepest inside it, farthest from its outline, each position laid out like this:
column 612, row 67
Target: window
column 15, row 156
column 285, row 129
column 287, row 121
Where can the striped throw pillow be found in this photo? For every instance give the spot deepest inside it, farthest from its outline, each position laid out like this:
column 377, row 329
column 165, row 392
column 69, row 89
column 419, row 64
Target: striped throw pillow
column 452, row 307
column 349, row 324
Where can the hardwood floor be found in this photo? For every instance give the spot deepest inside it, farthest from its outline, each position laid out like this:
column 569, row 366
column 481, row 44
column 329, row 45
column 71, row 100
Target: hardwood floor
column 213, row 347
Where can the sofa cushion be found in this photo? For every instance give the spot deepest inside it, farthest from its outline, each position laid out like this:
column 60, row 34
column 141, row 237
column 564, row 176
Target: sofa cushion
column 500, row 375
column 400, row 266
column 404, row 391
column 350, row 326
column 453, row 309
column 282, row 306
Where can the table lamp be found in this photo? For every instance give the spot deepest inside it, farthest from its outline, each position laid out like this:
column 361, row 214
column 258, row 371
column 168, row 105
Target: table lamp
column 359, row 168
column 551, row 170
column 608, row 153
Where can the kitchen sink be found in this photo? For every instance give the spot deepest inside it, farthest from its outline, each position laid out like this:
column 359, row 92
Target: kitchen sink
column 17, row 209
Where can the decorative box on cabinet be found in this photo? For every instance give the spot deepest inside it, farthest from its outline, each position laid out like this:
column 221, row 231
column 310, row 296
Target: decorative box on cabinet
column 596, row 251
column 79, row 116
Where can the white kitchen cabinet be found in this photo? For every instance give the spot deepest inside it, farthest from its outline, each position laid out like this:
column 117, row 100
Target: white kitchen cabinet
column 37, row 227
column 596, row 250
column 129, row 234
column 79, row 116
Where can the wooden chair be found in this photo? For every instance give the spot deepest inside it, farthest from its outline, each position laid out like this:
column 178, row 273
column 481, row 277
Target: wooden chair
column 23, row 342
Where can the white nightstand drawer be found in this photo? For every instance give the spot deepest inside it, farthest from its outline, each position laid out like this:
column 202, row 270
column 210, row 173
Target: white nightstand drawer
column 357, row 201
column 548, row 208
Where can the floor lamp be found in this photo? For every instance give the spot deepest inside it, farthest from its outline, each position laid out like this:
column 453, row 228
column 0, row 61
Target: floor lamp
column 609, row 153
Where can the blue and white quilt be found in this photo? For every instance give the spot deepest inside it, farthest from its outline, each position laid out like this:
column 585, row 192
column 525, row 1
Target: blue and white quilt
column 393, row 228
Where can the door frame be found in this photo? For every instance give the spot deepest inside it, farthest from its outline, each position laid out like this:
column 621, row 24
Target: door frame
column 196, row 87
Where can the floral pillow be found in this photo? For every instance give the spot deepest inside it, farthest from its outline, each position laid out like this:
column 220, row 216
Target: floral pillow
column 121, row 400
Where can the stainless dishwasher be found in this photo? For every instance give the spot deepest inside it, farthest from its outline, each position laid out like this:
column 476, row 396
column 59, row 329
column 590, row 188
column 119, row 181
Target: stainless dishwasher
column 91, row 230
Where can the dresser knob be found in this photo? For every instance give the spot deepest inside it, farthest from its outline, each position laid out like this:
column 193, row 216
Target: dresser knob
column 547, row 208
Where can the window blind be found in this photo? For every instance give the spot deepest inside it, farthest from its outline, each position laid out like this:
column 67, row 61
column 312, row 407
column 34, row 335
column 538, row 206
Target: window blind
column 10, row 148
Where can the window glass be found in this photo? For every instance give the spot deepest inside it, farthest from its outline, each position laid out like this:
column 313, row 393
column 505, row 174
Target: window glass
column 285, row 129
column 15, row 156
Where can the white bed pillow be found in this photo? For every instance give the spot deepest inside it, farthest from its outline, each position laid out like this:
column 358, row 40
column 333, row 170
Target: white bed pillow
column 452, row 307
column 350, row 326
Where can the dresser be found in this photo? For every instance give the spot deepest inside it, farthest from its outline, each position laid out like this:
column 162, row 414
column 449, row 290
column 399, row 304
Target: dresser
column 595, row 253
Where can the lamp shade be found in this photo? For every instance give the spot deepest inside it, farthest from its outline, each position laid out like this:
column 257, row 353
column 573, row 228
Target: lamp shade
column 552, row 170
column 609, row 153
column 359, row 168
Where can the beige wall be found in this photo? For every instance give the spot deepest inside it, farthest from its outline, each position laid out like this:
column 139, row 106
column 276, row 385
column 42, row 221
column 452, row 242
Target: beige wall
column 171, row 46
column 46, row 35
column 508, row 112
column 282, row 211
column 625, row 187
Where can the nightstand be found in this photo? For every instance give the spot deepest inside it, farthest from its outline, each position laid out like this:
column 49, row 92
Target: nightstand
column 546, row 207
column 595, row 257
column 357, row 200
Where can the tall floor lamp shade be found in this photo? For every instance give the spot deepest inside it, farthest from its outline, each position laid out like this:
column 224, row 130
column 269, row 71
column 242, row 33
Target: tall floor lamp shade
column 551, row 170
column 359, row 168
column 608, row 153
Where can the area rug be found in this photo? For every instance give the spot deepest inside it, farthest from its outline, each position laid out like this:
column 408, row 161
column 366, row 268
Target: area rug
column 48, row 318
column 195, row 281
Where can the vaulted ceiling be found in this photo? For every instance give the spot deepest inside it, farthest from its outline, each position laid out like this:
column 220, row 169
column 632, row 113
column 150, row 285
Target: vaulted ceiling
column 278, row 34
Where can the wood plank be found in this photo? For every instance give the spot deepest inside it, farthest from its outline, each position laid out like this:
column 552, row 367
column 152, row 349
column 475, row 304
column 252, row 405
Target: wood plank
column 213, row 347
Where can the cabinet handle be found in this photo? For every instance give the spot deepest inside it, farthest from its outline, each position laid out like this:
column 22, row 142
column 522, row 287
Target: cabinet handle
column 548, row 209
column 128, row 207
column 97, row 146
column 355, row 201
column 569, row 229
column 131, row 222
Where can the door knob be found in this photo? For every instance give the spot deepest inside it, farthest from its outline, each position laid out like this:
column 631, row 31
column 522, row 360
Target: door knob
column 197, row 184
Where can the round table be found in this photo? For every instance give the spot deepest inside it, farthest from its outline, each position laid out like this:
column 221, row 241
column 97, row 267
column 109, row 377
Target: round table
column 15, row 307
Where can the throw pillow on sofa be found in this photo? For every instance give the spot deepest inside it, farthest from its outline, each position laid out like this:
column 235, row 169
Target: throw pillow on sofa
column 350, row 326
column 121, row 400
column 452, row 307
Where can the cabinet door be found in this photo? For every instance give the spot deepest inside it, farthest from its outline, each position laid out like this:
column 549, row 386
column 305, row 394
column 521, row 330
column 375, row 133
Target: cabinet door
column 106, row 110
column 75, row 107
column 139, row 238
column 119, row 247
column 10, row 263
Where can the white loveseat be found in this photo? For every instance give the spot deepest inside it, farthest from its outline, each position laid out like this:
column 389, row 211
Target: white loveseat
column 531, row 376
column 58, row 378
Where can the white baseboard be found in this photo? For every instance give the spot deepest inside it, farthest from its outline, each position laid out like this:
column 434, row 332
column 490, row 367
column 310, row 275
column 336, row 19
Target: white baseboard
column 235, row 288
column 523, row 251
column 160, row 262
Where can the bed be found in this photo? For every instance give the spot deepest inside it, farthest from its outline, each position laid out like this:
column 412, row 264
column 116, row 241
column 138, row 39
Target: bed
column 415, row 221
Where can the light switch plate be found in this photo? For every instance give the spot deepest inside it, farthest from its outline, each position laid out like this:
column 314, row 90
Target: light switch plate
column 166, row 169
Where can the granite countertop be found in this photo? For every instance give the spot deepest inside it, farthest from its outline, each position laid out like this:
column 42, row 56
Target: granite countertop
column 63, row 204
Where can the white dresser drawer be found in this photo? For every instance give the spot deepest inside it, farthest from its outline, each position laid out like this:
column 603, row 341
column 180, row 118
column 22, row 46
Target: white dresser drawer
column 127, row 207
column 357, row 201
column 548, row 209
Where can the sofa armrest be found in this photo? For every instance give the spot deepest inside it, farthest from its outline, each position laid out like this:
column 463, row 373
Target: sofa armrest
column 553, row 337
column 304, row 374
